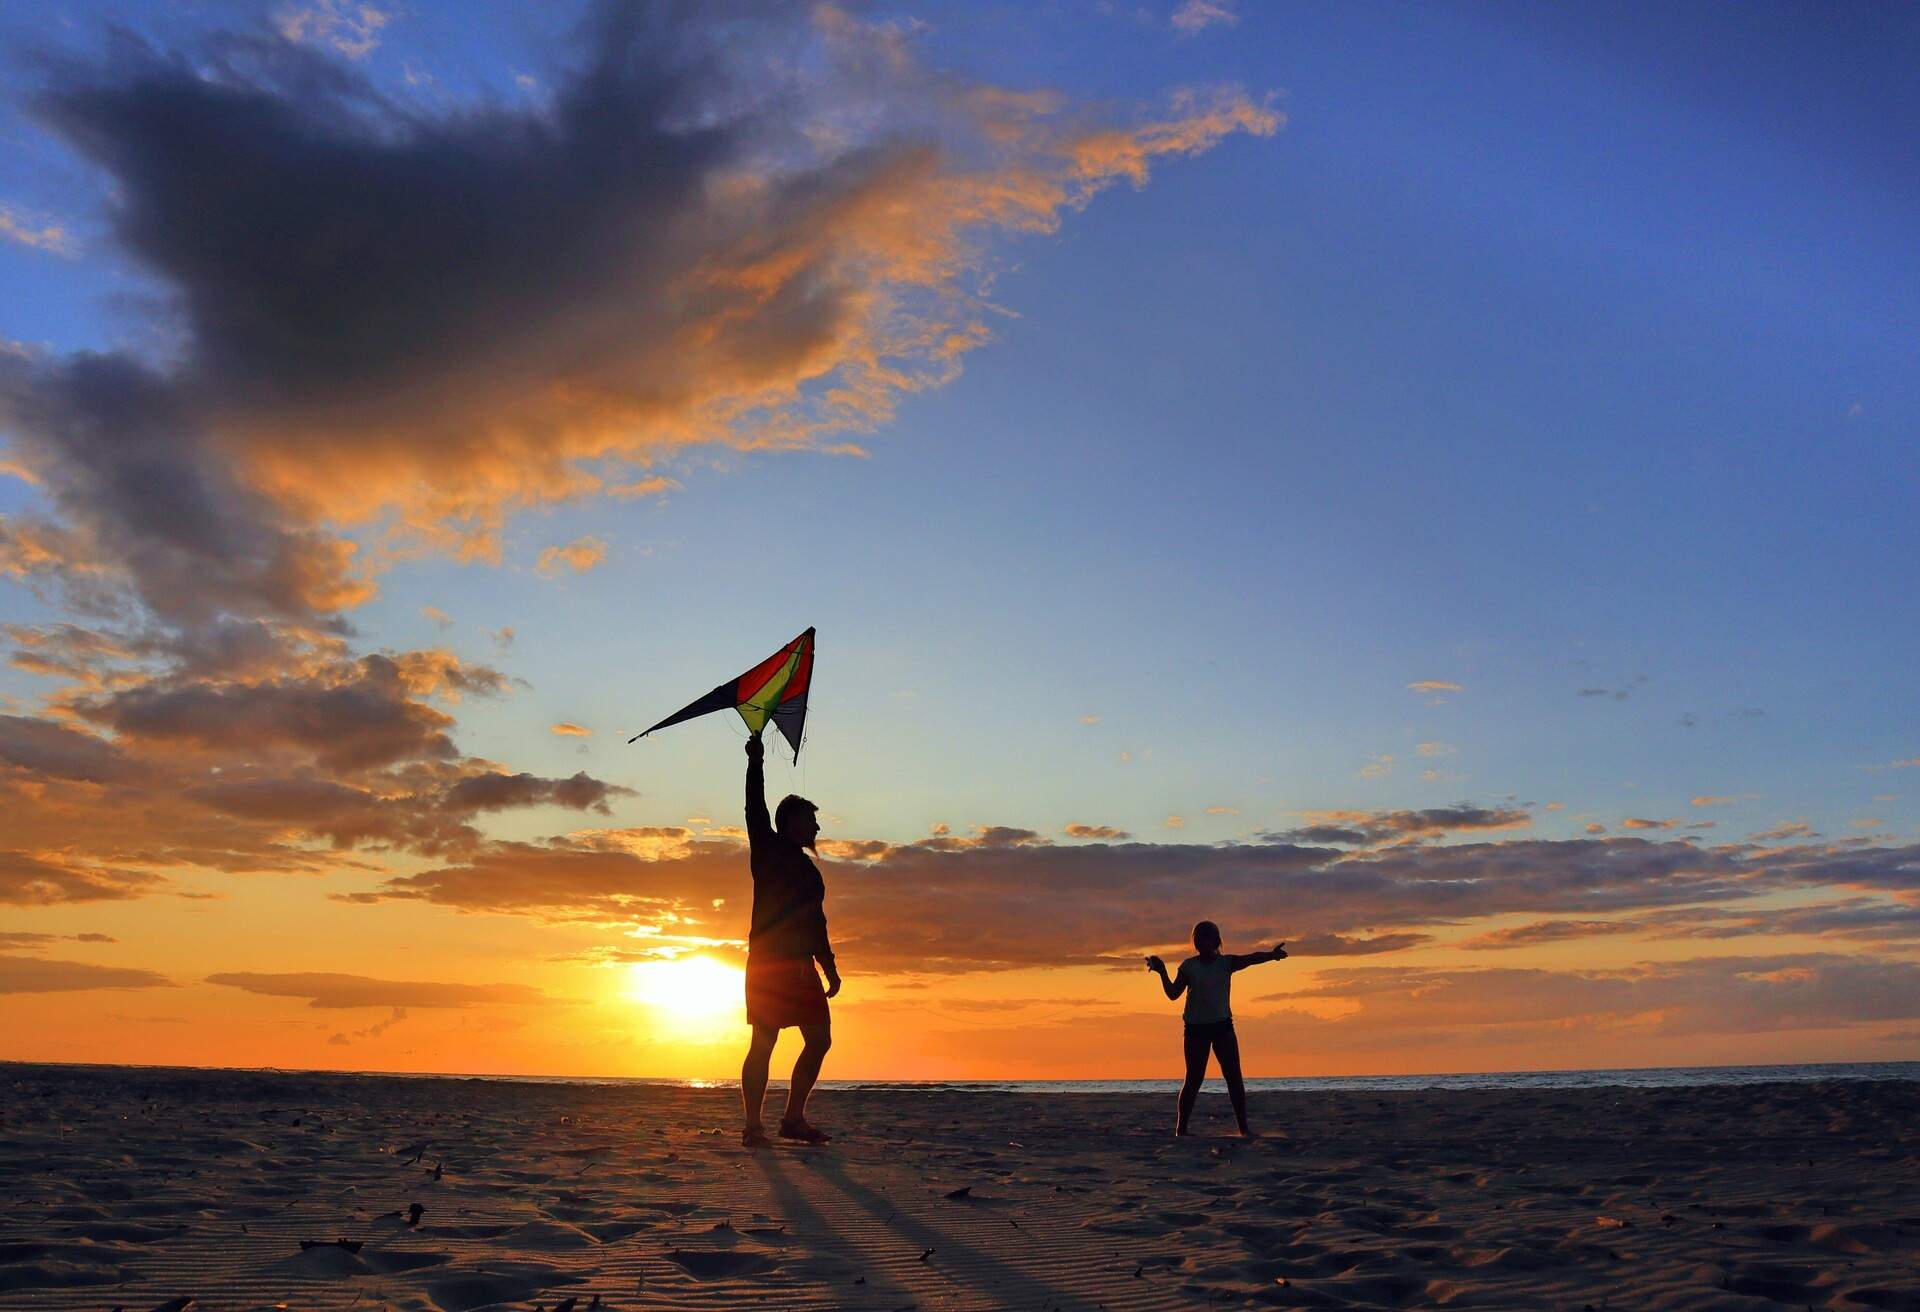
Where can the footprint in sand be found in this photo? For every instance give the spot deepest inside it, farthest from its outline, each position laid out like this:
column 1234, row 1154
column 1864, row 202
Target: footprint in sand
column 706, row 1264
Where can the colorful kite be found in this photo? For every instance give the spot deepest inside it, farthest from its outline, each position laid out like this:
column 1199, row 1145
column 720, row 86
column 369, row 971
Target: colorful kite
column 775, row 689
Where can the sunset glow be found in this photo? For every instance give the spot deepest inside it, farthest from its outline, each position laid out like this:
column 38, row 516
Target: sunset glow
column 691, row 998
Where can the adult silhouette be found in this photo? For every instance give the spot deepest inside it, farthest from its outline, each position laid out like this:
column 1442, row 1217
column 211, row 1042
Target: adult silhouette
column 789, row 934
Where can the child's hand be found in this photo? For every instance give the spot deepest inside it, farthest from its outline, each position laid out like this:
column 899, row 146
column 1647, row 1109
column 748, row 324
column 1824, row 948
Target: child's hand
column 1156, row 965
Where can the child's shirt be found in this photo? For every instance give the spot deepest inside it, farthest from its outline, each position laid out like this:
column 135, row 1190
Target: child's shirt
column 1208, row 983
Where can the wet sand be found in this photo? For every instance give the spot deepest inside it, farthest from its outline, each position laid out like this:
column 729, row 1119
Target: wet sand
column 133, row 1189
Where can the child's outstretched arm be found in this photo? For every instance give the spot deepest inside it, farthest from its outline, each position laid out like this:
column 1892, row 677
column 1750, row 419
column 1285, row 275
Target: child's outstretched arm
column 1174, row 987
column 1255, row 958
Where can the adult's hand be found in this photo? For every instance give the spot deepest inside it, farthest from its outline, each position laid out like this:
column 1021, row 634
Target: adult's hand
column 1156, row 965
column 833, row 981
column 755, row 748
column 1280, row 953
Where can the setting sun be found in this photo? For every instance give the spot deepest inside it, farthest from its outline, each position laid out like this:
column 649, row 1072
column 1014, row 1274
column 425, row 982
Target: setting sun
column 692, row 996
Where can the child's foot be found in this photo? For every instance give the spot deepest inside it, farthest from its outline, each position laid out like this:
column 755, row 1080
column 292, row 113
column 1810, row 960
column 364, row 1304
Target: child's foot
column 754, row 1136
column 803, row 1132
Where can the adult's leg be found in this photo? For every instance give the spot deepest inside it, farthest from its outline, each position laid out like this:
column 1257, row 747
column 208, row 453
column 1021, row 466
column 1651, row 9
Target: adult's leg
column 753, row 1072
column 806, row 1069
column 1226, row 1046
column 1196, row 1053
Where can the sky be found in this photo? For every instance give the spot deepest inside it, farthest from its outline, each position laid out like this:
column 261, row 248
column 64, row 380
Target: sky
column 1430, row 484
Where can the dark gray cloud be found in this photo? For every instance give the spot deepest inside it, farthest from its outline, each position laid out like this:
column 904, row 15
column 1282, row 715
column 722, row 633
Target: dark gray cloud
column 960, row 904
column 127, row 467
column 30, row 880
column 1712, row 995
column 1341, row 945
column 1367, row 828
column 41, row 975
column 330, row 991
column 498, row 792
column 1549, row 931
column 11, row 940
column 362, row 717
column 42, row 747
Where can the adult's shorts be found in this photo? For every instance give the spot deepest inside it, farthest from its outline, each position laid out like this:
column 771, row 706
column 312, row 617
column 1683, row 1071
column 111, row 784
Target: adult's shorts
column 783, row 991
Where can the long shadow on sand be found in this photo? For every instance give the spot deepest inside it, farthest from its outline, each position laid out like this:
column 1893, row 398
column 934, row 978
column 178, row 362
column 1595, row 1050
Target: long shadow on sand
column 795, row 1205
column 1008, row 1285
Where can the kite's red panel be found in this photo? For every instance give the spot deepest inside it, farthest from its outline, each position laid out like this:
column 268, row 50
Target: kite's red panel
column 802, row 674
column 756, row 678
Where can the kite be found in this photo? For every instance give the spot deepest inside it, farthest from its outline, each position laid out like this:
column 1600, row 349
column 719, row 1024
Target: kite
column 775, row 689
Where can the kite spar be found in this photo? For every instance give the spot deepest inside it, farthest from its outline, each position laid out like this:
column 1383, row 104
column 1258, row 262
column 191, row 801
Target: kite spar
column 775, row 689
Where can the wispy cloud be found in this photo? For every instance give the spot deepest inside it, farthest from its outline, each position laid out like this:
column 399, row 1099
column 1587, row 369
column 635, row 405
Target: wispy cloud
column 1366, row 828
column 579, row 555
column 329, row 990
column 41, row 975
column 41, row 235
column 1192, row 16
column 1103, row 832
column 348, row 27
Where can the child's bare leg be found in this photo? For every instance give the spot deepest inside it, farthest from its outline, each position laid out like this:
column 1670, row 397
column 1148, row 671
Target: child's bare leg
column 1227, row 1048
column 1196, row 1053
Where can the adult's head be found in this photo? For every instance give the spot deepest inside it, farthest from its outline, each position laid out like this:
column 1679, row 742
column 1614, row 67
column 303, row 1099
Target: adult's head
column 1206, row 938
column 795, row 819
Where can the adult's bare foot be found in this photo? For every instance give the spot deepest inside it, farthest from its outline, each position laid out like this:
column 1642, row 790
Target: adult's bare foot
column 754, row 1136
column 803, row 1132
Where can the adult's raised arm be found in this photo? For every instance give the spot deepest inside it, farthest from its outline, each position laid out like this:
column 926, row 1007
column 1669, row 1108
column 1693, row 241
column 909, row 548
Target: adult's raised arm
column 759, row 824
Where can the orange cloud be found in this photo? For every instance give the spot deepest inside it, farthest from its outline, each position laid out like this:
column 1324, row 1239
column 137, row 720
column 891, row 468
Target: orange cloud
column 568, row 729
column 1435, row 685
column 580, row 555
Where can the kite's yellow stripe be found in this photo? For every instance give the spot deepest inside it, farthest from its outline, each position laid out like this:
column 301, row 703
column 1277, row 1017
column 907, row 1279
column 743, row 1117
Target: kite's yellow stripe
column 756, row 711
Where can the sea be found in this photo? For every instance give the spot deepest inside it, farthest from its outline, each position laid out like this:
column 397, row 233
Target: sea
column 1642, row 1077
column 1635, row 1077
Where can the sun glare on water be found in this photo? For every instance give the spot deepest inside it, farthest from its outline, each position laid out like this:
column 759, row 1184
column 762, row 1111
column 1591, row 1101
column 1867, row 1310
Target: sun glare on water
column 690, row 997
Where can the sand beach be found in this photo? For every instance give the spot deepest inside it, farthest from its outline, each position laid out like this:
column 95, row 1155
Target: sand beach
column 135, row 1189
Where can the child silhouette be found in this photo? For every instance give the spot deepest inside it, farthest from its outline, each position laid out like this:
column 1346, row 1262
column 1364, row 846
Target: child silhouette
column 1207, row 979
